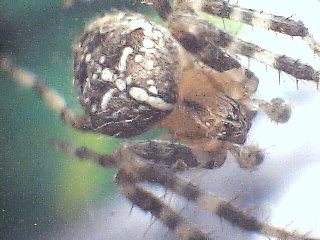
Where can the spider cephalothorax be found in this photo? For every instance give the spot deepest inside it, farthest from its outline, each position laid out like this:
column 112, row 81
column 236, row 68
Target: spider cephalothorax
column 132, row 74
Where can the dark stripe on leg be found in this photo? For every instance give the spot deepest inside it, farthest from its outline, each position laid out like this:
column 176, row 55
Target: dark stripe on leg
column 150, row 173
column 85, row 153
column 238, row 218
column 218, row 8
column 255, row 18
column 295, row 68
column 54, row 100
column 167, row 178
column 252, row 17
column 150, row 203
column 282, row 63
column 191, row 32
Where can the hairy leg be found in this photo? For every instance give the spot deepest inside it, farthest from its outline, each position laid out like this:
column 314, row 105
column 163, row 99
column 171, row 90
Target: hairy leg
column 54, row 100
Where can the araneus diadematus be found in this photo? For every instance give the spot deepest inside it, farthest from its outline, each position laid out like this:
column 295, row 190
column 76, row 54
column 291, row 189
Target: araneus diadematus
column 211, row 116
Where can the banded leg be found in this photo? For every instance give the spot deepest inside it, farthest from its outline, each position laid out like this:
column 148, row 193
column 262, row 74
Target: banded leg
column 51, row 97
column 144, row 171
column 84, row 153
column 128, row 181
column 207, row 52
column 147, row 201
column 206, row 39
column 252, row 17
column 135, row 169
column 165, row 153
column 203, row 39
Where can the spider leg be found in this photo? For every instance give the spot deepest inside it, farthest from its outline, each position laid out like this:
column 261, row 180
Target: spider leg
column 252, row 17
column 141, row 170
column 186, row 26
column 209, row 53
column 204, row 41
column 147, row 201
column 135, row 169
column 281, row 62
column 175, row 155
column 202, row 38
column 128, row 180
column 84, row 153
column 55, row 101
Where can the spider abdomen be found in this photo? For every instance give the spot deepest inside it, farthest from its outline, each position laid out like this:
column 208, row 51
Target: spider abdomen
column 126, row 69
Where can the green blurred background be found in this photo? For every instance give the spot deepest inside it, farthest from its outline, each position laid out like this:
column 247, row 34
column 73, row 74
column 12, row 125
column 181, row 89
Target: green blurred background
column 42, row 189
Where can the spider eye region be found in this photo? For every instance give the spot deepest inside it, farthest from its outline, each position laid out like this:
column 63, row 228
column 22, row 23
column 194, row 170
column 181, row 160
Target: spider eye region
column 125, row 70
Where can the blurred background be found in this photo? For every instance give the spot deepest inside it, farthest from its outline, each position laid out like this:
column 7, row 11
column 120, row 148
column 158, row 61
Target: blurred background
column 47, row 195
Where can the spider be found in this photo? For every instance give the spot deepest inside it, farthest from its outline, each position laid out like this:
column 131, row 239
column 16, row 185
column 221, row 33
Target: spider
column 133, row 75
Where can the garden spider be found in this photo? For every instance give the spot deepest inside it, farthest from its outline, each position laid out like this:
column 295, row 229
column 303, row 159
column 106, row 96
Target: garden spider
column 202, row 127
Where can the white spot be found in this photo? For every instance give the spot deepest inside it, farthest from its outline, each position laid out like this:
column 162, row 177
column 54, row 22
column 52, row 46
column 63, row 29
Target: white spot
column 93, row 108
column 148, row 50
column 147, row 43
column 150, row 82
column 88, row 57
column 123, row 96
column 149, row 64
column 138, row 94
column 102, row 59
column 121, row 85
column 138, row 58
column 123, row 60
column 106, row 74
column 106, row 98
column 142, row 108
column 142, row 23
column 153, row 89
column 94, row 76
column 141, row 95
column 129, row 80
